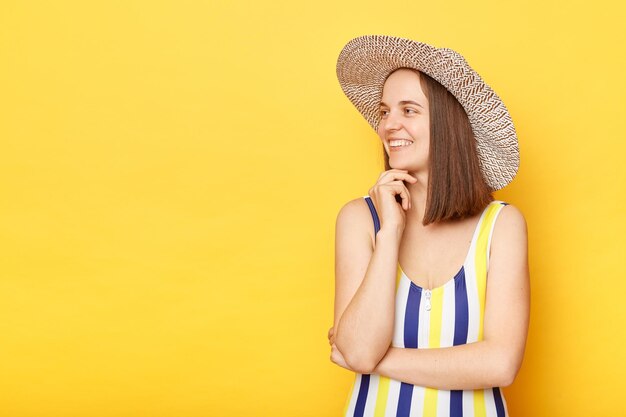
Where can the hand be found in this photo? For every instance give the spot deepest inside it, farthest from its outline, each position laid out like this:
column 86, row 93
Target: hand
column 383, row 195
column 337, row 357
column 335, row 354
column 331, row 336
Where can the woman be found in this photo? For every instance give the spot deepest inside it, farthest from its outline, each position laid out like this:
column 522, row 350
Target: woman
column 432, row 303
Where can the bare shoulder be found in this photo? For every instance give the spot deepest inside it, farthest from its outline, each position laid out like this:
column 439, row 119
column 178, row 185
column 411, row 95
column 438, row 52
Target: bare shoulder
column 510, row 233
column 510, row 222
column 354, row 219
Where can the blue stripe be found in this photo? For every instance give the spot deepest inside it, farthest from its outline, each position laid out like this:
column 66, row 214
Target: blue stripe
column 461, row 325
column 456, row 403
column 359, row 409
column 461, row 309
column 411, row 317
column 404, row 402
column 374, row 214
column 498, row 399
column 411, row 323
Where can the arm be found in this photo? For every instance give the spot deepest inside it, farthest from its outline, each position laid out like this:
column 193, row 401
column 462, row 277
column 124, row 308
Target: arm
column 364, row 287
column 495, row 360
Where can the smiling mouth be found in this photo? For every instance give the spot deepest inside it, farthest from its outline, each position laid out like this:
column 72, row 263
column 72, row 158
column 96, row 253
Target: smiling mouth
column 399, row 144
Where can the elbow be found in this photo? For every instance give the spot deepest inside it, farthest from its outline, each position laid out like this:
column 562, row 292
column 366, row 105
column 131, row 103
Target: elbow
column 361, row 363
column 504, row 378
column 506, row 371
column 358, row 359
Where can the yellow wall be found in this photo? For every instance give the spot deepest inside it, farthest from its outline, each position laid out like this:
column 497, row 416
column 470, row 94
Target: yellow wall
column 171, row 173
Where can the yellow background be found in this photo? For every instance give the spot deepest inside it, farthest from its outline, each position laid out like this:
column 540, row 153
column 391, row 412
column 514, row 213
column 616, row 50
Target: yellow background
column 171, row 171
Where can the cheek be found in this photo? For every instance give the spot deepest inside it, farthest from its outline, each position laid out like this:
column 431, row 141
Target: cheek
column 425, row 132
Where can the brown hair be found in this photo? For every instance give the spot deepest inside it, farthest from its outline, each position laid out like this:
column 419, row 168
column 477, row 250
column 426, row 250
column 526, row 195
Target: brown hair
column 456, row 186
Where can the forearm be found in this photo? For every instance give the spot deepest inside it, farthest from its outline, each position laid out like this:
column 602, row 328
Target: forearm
column 365, row 329
column 468, row 366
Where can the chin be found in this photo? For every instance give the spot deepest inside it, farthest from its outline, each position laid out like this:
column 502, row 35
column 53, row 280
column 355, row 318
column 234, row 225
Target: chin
column 401, row 165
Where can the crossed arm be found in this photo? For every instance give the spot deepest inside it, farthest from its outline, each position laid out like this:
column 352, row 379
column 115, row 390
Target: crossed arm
column 493, row 361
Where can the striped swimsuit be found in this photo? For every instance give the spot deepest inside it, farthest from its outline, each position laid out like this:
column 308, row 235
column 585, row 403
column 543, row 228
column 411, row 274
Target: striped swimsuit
column 448, row 315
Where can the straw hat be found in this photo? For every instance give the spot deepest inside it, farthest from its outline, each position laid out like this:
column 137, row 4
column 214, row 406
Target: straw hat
column 365, row 62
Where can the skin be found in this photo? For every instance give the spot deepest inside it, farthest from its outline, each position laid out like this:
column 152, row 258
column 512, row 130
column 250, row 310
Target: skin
column 360, row 338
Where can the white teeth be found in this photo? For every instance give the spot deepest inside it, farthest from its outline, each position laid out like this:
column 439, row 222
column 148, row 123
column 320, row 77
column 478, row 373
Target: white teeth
column 399, row 142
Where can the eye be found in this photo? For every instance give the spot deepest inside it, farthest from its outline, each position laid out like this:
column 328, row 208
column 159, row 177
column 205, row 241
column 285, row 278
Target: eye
column 383, row 112
column 410, row 110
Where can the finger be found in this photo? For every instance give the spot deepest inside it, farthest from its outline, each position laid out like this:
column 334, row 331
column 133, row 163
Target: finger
column 409, row 176
column 399, row 180
column 400, row 189
column 396, row 174
column 397, row 188
column 390, row 175
column 338, row 358
column 384, row 173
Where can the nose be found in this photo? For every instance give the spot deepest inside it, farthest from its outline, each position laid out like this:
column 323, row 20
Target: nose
column 392, row 122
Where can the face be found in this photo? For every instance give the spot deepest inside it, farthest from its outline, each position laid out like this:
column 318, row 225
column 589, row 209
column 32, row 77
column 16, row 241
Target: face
column 404, row 125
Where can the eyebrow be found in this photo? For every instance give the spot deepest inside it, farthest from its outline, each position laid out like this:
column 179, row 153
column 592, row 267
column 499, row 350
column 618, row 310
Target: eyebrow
column 404, row 102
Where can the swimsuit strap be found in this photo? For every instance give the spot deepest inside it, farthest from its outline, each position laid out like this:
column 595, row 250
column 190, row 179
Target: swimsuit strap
column 374, row 214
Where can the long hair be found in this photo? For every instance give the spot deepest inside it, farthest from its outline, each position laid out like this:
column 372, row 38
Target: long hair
column 456, row 186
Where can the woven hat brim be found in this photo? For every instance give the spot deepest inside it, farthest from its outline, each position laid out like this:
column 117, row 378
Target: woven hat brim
column 365, row 62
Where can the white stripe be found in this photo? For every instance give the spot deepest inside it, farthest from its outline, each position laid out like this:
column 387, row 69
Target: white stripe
column 468, row 403
column 392, row 398
column 417, row 401
column 447, row 317
column 473, row 305
column 353, row 395
column 447, row 339
column 372, row 393
column 402, row 295
column 423, row 327
column 499, row 209
column 443, row 403
column 471, row 285
column 490, row 404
